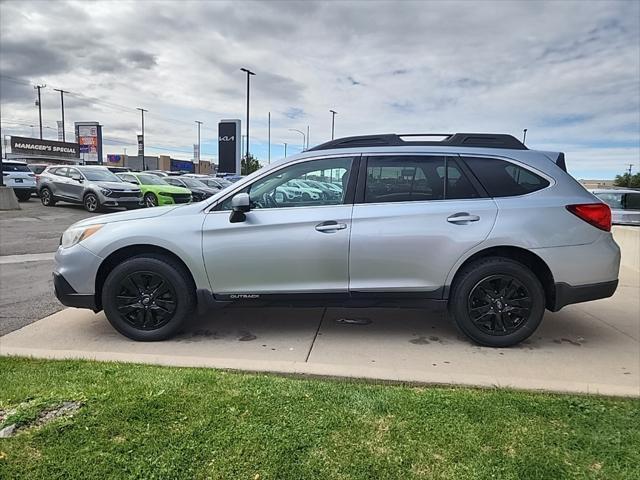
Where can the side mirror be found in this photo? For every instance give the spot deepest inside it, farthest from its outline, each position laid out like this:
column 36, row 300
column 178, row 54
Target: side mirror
column 240, row 204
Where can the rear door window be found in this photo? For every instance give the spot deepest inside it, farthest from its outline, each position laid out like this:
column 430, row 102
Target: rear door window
column 501, row 178
column 404, row 178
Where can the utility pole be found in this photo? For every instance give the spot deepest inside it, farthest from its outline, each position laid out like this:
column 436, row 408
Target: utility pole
column 144, row 165
column 62, row 92
column 524, row 136
column 629, row 175
column 39, row 87
column 307, row 138
column 333, row 122
column 199, row 123
column 269, row 134
column 285, row 150
column 249, row 73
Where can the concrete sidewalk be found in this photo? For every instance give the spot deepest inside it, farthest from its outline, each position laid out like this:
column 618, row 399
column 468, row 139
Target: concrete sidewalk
column 590, row 348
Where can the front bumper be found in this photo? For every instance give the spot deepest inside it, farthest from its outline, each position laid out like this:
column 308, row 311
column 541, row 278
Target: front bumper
column 122, row 202
column 567, row 294
column 69, row 297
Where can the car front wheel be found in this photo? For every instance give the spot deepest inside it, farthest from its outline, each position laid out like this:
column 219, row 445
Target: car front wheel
column 91, row 202
column 497, row 302
column 150, row 200
column 148, row 298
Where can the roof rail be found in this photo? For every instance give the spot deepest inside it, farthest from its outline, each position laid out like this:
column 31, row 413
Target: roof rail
column 478, row 140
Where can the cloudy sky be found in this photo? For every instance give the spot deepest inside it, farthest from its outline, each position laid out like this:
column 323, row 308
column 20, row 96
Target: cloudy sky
column 569, row 72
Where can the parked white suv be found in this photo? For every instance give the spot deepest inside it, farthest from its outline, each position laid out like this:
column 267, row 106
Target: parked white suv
column 475, row 223
column 19, row 176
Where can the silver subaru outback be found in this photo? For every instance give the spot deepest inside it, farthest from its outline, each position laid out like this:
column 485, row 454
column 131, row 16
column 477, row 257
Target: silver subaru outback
column 476, row 224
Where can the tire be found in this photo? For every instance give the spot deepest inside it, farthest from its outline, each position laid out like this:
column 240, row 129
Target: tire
column 150, row 200
column 46, row 197
column 91, row 203
column 141, row 316
column 23, row 196
column 497, row 302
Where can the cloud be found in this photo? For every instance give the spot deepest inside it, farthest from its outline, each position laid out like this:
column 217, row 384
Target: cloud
column 567, row 71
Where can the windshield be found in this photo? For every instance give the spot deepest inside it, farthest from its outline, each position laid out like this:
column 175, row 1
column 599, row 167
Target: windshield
column 150, row 180
column 99, row 175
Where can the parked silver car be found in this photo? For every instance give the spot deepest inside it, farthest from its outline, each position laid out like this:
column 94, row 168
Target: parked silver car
column 94, row 187
column 474, row 223
column 624, row 203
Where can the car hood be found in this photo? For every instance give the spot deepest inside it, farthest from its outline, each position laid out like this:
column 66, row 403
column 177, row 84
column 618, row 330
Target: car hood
column 167, row 188
column 128, row 215
column 117, row 185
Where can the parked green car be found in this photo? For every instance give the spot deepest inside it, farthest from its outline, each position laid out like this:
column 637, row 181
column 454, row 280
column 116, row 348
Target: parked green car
column 155, row 191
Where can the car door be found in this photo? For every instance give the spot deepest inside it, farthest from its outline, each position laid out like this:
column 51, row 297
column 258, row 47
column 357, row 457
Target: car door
column 58, row 182
column 75, row 184
column 286, row 245
column 414, row 217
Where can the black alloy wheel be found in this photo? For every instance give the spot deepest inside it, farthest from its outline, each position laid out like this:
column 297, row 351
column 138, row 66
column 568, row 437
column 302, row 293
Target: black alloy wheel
column 149, row 297
column 499, row 305
column 146, row 301
column 497, row 301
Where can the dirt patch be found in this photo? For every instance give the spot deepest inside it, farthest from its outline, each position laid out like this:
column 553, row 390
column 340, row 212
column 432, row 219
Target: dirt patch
column 66, row 409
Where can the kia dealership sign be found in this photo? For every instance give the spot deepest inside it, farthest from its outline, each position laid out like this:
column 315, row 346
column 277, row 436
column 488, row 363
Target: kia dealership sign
column 229, row 146
column 35, row 146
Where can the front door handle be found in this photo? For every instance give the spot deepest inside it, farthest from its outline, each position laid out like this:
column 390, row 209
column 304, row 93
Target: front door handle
column 462, row 217
column 330, row 226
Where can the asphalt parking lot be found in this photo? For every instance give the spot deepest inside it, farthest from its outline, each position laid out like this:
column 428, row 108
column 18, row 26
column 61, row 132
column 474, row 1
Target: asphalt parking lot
column 28, row 238
column 591, row 347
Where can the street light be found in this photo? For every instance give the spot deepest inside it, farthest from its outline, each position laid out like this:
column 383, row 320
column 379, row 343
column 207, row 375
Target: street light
column 249, row 73
column 303, row 136
column 333, row 122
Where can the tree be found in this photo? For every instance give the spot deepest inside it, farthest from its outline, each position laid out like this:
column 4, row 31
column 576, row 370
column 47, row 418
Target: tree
column 626, row 180
column 249, row 164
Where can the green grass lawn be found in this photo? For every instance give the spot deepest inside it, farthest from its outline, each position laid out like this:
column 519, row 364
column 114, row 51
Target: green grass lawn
column 154, row 422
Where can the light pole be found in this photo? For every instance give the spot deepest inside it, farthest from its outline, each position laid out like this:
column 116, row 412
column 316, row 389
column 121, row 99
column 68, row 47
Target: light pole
column 269, row 141
column 62, row 92
column 199, row 123
column 524, row 136
column 308, row 138
column 144, row 165
column 333, row 122
column 249, row 73
column 285, row 149
column 39, row 87
column 303, row 136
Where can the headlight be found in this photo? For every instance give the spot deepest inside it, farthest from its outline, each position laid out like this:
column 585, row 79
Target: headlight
column 165, row 194
column 75, row 235
column 105, row 191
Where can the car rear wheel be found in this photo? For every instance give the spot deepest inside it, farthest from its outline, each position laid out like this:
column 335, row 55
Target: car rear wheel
column 46, row 197
column 497, row 302
column 150, row 200
column 23, row 196
column 148, row 298
column 91, row 202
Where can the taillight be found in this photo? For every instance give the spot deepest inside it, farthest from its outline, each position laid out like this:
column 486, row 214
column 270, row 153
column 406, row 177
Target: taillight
column 597, row 214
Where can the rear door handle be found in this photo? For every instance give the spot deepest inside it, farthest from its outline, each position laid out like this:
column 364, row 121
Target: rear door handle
column 330, row 226
column 462, row 217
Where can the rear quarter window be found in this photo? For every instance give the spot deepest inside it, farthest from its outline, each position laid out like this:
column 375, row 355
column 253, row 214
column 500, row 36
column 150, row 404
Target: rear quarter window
column 501, row 178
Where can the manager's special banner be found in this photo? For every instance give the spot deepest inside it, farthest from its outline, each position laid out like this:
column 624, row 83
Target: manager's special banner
column 35, row 146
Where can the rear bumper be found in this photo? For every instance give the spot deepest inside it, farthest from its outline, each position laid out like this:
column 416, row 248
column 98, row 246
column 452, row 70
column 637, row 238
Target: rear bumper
column 567, row 294
column 69, row 297
column 26, row 188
